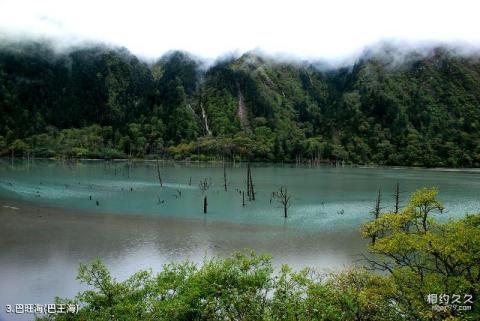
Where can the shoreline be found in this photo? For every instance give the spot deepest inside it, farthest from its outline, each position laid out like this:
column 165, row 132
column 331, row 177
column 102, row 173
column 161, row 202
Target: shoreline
column 473, row 170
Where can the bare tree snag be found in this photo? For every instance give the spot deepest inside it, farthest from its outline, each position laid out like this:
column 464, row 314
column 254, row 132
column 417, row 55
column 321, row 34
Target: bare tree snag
column 158, row 174
column 396, row 195
column 284, row 199
column 248, row 181
column 250, row 190
column 376, row 213
column 204, row 186
column 205, row 205
column 224, row 176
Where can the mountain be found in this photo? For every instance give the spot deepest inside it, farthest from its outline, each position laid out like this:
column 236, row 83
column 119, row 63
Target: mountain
column 391, row 107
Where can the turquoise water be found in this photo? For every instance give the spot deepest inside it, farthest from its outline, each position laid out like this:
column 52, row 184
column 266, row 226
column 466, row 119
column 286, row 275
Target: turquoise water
column 322, row 197
column 48, row 224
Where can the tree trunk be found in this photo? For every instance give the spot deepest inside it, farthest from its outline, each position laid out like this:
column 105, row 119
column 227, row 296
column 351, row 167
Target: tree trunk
column 158, row 174
column 205, row 204
column 248, row 180
column 397, row 198
column 224, row 176
column 376, row 213
column 250, row 190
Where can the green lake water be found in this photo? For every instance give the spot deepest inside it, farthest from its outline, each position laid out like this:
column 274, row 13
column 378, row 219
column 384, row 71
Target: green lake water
column 48, row 224
column 322, row 197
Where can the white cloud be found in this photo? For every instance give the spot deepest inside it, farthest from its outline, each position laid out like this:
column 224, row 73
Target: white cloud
column 209, row 28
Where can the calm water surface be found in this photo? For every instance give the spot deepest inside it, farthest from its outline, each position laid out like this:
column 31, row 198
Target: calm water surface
column 48, row 224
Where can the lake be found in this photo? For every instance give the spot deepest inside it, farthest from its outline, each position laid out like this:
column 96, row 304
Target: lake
column 56, row 214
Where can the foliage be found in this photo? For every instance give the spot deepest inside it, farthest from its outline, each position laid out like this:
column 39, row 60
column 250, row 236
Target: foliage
column 424, row 257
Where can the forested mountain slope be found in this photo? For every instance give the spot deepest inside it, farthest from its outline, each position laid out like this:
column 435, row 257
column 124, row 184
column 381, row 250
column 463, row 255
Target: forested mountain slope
column 388, row 108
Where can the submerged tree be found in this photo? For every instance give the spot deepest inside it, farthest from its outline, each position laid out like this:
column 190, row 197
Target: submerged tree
column 250, row 189
column 376, row 213
column 204, row 185
column 284, row 199
column 396, row 196
column 224, row 176
column 159, row 174
column 248, row 181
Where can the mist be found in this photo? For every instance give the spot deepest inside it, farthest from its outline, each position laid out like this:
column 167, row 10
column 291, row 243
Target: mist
column 302, row 30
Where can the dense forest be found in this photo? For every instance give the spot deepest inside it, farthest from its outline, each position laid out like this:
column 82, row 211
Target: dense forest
column 390, row 107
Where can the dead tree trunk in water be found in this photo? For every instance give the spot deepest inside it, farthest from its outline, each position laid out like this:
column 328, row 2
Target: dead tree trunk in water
column 158, row 174
column 243, row 198
column 396, row 195
column 250, row 190
column 204, row 186
column 248, row 181
column 224, row 176
column 376, row 213
column 284, row 199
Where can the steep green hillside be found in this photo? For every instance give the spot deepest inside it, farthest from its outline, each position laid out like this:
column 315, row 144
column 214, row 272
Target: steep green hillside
column 390, row 107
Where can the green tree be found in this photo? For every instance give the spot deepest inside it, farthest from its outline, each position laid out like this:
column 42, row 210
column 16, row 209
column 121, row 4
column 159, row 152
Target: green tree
column 18, row 147
column 424, row 257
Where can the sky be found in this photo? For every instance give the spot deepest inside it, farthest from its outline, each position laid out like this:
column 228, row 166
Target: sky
column 210, row 28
